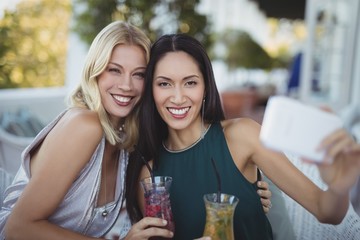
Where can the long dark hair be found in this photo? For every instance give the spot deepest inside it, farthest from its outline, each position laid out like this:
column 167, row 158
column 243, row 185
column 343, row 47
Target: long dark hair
column 153, row 129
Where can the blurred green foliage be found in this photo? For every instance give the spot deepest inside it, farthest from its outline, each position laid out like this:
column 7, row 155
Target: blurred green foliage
column 158, row 17
column 33, row 44
column 33, row 38
column 243, row 51
column 155, row 17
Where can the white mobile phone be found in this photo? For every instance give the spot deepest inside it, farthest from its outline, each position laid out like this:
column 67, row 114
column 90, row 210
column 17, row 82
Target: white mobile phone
column 291, row 126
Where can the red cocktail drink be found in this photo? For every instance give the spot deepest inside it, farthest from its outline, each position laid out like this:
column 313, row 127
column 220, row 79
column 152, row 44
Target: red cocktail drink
column 157, row 199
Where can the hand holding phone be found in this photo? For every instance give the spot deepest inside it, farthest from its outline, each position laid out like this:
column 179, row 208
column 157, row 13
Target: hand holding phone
column 294, row 127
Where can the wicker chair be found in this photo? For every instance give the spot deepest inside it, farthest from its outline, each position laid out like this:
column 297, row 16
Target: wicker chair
column 5, row 181
column 11, row 147
column 17, row 130
column 306, row 226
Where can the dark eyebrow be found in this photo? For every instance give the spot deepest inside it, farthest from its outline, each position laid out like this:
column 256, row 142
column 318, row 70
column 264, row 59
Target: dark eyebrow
column 191, row 76
column 185, row 78
column 162, row 77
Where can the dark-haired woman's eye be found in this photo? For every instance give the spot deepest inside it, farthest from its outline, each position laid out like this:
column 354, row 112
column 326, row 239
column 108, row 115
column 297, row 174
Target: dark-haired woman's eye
column 163, row 84
column 191, row 83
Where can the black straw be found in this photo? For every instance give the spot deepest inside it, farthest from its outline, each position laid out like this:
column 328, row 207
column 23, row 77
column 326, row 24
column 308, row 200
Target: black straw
column 147, row 165
column 218, row 180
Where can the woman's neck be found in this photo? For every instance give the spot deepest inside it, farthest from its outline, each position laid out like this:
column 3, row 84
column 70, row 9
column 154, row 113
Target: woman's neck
column 181, row 139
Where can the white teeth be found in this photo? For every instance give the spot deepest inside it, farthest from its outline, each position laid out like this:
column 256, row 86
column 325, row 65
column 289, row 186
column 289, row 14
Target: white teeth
column 122, row 99
column 179, row 111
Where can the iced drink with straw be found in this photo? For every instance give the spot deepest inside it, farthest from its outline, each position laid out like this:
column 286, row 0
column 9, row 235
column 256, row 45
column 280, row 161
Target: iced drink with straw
column 220, row 208
column 157, row 199
column 219, row 216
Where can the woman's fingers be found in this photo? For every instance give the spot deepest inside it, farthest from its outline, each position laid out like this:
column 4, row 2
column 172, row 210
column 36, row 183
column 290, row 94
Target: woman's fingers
column 149, row 227
column 151, row 221
column 354, row 148
column 158, row 232
column 263, row 190
column 339, row 147
column 336, row 143
column 333, row 137
column 265, row 195
column 266, row 205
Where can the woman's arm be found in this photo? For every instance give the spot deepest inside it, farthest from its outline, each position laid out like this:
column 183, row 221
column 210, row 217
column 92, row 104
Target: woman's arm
column 55, row 164
column 328, row 206
column 341, row 166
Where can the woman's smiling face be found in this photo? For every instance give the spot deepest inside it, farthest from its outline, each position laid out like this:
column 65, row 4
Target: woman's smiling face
column 122, row 82
column 178, row 89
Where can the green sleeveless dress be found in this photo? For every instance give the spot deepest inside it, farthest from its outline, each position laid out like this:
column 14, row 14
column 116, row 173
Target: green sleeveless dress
column 193, row 176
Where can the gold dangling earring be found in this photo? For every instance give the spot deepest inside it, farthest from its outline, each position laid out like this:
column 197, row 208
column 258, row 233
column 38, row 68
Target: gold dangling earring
column 202, row 120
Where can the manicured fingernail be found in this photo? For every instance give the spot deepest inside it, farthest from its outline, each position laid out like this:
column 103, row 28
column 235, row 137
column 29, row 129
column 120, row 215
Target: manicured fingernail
column 259, row 184
column 164, row 222
column 259, row 191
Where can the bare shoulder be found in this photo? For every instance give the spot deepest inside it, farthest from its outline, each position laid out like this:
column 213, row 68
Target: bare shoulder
column 71, row 142
column 242, row 137
column 78, row 120
column 82, row 117
column 240, row 128
column 79, row 128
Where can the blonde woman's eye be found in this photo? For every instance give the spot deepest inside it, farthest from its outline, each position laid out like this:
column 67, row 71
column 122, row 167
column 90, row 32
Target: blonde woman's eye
column 140, row 75
column 116, row 70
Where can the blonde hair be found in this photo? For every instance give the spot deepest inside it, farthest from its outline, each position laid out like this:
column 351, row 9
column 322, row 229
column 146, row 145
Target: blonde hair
column 87, row 94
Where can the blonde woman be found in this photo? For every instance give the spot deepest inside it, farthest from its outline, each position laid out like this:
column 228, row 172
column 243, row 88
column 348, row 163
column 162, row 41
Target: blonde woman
column 71, row 180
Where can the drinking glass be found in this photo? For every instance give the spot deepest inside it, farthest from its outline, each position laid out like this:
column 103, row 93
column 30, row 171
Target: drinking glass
column 157, row 199
column 219, row 216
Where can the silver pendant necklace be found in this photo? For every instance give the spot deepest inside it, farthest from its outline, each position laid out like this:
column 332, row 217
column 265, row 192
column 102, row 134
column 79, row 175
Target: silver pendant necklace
column 105, row 211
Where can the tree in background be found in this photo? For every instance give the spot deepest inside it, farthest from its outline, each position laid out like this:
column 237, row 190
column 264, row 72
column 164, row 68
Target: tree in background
column 155, row 17
column 242, row 51
column 33, row 46
column 34, row 38
column 5, row 47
